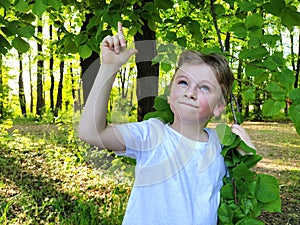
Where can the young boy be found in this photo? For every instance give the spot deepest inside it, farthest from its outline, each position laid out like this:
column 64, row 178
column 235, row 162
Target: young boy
column 179, row 168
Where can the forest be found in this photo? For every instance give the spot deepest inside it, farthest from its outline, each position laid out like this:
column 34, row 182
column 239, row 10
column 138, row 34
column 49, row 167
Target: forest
column 49, row 58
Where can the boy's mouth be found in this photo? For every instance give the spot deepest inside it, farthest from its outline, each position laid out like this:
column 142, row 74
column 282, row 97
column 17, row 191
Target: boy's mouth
column 189, row 104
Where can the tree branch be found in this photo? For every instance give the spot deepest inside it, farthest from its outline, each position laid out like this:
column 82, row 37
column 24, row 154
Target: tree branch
column 213, row 13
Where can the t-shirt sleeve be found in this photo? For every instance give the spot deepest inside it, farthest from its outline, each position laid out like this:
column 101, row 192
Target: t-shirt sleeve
column 141, row 137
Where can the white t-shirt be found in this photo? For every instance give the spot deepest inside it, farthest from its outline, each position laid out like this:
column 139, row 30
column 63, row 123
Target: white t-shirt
column 177, row 180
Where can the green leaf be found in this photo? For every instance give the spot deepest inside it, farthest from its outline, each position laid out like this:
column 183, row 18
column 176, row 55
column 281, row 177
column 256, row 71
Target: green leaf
column 274, row 7
column 152, row 24
column 250, row 221
column 274, row 206
column 227, row 191
column 171, row 35
column 166, row 116
column 150, row 7
column 251, row 160
column 84, row 51
column 267, row 188
column 111, row 18
column 163, row 4
column 161, row 103
column 271, row 108
column 225, row 214
column 242, row 172
column 20, row 44
column 277, row 92
column 26, row 31
column 239, row 30
column 254, row 70
column 254, row 22
column 285, row 78
column 4, row 42
column 254, row 53
column 194, row 25
column 269, row 39
column 80, row 39
column 5, row 4
column 29, row 17
column 249, row 95
column 294, row 114
column 69, row 46
column 270, row 64
column 132, row 31
column 4, row 45
column 56, row 4
column 233, row 145
column 219, row 10
column 247, row 148
column 166, row 67
column 39, row 8
column 252, row 188
column 247, row 6
column 21, row 5
column 295, row 96
column 225, row 134
column 182, row 41
column 290, row 17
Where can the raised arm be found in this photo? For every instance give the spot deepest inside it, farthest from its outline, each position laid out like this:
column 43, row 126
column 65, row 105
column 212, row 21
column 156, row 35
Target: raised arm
column 92, row 127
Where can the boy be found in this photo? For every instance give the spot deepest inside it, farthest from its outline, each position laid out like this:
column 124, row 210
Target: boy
column 179, row 168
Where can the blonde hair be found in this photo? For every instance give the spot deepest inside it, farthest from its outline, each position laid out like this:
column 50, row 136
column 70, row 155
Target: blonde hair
column 216, row 62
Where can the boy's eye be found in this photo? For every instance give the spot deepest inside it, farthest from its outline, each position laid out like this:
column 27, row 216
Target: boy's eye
column 204, row 88
column 183, row 83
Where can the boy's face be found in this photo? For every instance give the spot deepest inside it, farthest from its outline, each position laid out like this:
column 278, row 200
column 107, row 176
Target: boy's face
column 195, row 94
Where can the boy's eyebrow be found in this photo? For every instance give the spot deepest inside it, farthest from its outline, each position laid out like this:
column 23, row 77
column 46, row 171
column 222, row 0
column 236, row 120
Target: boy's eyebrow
column 181, row 76
column 199, row 83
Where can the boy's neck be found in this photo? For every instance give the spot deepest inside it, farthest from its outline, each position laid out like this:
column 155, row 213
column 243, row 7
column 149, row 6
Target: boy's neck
column 194, row 132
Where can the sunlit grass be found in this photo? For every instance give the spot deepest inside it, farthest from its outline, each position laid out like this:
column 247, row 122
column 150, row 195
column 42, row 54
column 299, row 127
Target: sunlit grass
column 46, row 177
column 45, row 180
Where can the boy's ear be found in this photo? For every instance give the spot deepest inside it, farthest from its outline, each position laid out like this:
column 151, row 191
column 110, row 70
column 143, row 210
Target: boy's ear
column 219, row 109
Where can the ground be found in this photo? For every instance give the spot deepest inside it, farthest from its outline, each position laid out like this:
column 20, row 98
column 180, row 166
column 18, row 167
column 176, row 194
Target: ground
column 40, row 169
column 279, row 144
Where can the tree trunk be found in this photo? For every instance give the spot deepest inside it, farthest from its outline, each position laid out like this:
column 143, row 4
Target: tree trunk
column 40, row 104
column 30, row 83
column 147, row 74
column 22, row 98
column 58, row 105
column 89, row 66
column 296, row 84
column 51, row 66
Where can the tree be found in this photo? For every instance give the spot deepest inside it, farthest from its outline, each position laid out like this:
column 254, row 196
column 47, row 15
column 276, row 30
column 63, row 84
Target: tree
column 145, row 69
column 51, row 68
column 250, row 32
column 59, row 99
column 40, row 103
column 22, row 98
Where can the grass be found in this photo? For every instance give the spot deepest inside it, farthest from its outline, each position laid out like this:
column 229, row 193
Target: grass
column 46, row 177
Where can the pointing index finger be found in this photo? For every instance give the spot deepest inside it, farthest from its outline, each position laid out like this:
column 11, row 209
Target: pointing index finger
column 121, row 35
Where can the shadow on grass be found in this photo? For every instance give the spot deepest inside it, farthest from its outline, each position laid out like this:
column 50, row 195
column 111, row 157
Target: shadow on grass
column 37, row 198
column 289, row 182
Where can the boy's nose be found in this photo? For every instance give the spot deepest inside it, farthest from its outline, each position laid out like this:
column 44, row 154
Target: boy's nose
column 191, row 93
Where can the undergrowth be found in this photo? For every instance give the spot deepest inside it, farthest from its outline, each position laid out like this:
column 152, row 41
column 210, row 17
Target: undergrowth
column 45, row 179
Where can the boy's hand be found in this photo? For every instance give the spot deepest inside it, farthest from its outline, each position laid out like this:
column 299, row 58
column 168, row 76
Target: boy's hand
column 240, row 131
column 114, row 49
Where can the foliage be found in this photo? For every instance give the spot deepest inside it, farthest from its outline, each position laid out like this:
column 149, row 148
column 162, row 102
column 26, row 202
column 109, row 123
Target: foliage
column 162, row 109
column 258, row 37
column 244, row 194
